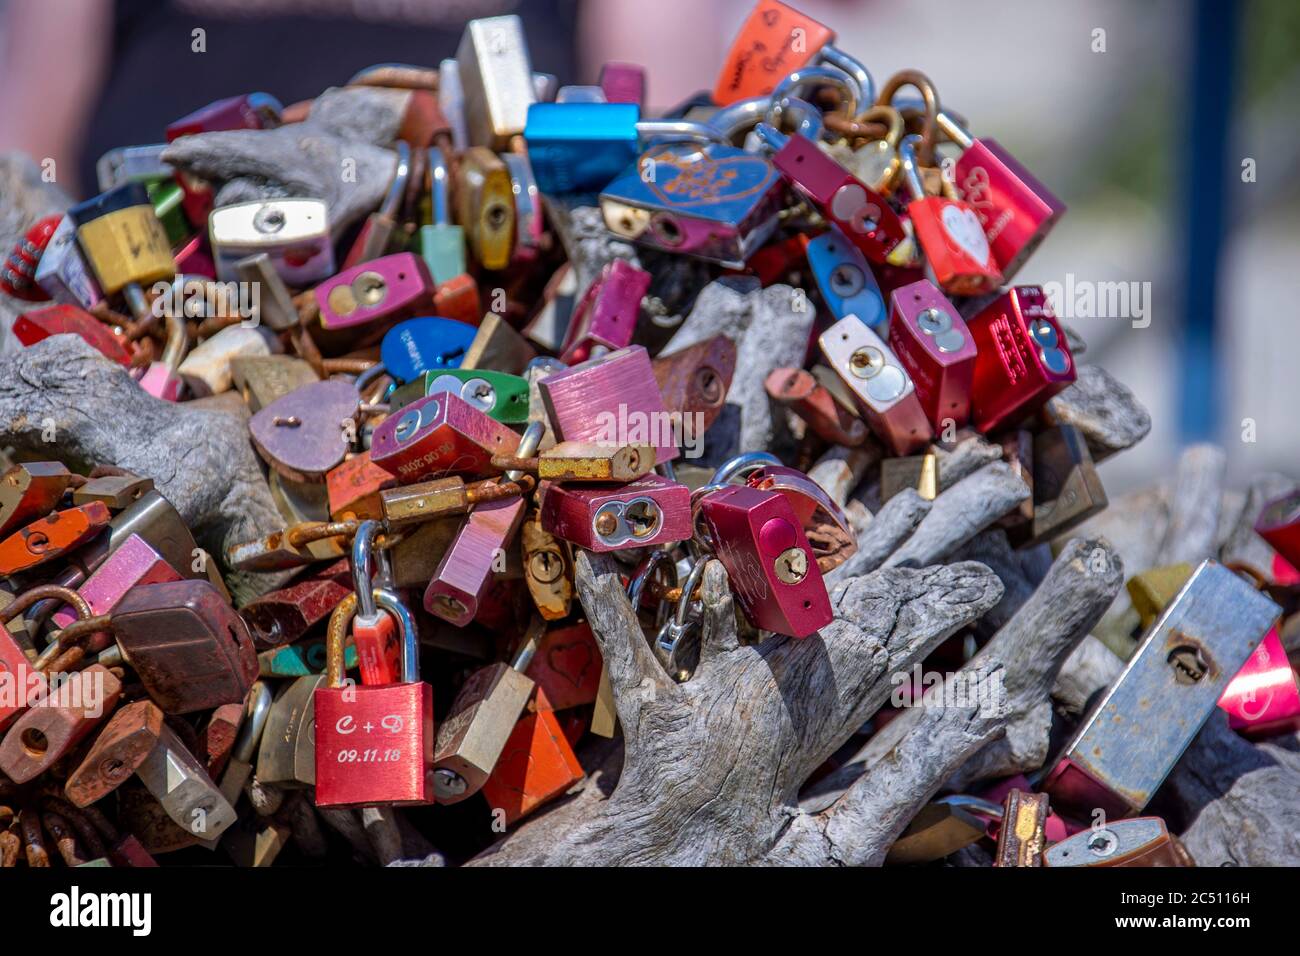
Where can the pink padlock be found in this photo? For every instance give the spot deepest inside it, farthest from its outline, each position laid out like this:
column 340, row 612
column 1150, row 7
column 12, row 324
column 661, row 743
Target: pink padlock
column 134, row 562
column 476, row 554
column 161, row 379
column 605, row 317
column 773, row 571
column 936, row 349
column 1263, row 699
column 623, row 83
column 383, row 290
column 605, row 517
column 439, row 435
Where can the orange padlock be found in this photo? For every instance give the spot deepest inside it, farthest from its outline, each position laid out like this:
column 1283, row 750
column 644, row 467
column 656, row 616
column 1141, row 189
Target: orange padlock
column 775, row 41
column 566, row 667
column 52, row 537
column 30, row 491
column 537, row 764
column 353, row 488
column 457, row 298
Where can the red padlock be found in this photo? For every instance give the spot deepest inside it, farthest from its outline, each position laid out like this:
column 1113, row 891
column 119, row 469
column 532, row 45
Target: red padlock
column 949, row 233
column 374, row 743
column 38, row 324
column 374, row 631
column 18, row 274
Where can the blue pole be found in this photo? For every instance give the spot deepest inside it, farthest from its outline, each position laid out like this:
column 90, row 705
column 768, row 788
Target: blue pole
column 1207, row 134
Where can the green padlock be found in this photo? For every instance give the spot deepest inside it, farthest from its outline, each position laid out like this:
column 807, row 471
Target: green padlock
column 166, row 196
column 442, row 244
column 300, row 659
column 500, row 395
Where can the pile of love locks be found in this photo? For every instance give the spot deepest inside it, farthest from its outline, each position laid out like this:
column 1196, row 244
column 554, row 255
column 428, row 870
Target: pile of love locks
column 446, row 419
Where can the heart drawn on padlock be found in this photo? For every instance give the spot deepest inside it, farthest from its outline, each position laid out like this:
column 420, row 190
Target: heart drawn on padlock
column 571, row 660
column 964, row 231
column 682, row 182
column 976, row 189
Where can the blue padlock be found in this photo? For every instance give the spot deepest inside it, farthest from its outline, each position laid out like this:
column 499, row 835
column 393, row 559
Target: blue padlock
column 845, row 280
column 580, row 147
column 425, row 344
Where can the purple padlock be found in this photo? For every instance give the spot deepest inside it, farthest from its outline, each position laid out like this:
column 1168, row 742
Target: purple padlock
column 606, row 315
column 476, row 554
column 134, row 562
column 385, row 290
column 648, row 512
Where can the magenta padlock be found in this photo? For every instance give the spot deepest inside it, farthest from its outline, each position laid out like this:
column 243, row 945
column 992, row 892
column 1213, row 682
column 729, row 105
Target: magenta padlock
column 605, row 517
column 885, row 393
column 613, row 400
column 605, row 318
column 1263, row 699
column 439, row 435
column 194, row 258
column 936, row 349
column 469, row 566
column 383, row 290
column 860, row 213
column 623, row 83
column 1015, row 209
column 773, row 571
column 133, row 563
column 814, row 509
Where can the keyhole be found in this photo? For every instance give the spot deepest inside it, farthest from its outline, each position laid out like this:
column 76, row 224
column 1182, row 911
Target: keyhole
column 709, row 385
column 1188, row 663
column 642, row 517
column 35, row 742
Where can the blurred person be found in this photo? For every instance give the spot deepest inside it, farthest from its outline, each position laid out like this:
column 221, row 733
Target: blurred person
column 82, row 77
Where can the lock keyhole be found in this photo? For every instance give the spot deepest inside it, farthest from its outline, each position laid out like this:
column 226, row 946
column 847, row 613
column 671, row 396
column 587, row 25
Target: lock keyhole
column 642, row 517
column 35, row 742
column 709, row 384
column 1188, row 663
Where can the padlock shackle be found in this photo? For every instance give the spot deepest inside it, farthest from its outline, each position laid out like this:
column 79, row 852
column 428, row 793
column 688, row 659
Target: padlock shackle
column 256, row 711
column 853, row 67
column 908, row 164
column 363, row 567
column 741, row 465
column 390, row 602
column 794, row 83
column 739, row 117
column 954, row 130
column 529, row 442
column 922, row 83
column 340, row 621
column 45, row 591
column 678, row 130
column 636, row 584
column 397, row 187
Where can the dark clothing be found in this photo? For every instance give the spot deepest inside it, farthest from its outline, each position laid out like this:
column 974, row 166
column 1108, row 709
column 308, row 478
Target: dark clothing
column 155, row 77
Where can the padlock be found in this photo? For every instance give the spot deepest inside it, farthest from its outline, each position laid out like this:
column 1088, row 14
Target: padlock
column 377, row 293
column 1067, row 489
column 307, row 432
column 614, row 399
column 166, row 196
column 286, row 753
column 1278, row 524
column 428, row 344
column 262, row 379
column 775, row 40
column 714, row 202
column 573, row 94
column 922, row 119
column 353, row 487
column 1125, row 748
column 801, row 392
column 189, row 648
column 773, row 571
column 293, row 547
column 937, row 350
column 498, row 346
column 498, row 395
column 378, row 231
column 217, row 737
column 885, row 395
column 49, row 538
column 1022, row 358
column 207, row 367
column 374, row 743
column 495, row 79
column 114, row 492
column 409, row 505
column 1141, row 842
column 480, row 721
column 547, row 569
column 485, row 206
column 844, row 279
column 1018, row 453
column 942, row 827
column 374, row 632
column 606, row 316
column 461, row 581
column 573, row 461
column 248, row 111
column 875, row 163
column 1015, row 210
column 442, row 242
column 295, row 233
column 63, row 273
column 1022, row 837
column 275, row 306
column 537, row 764
column 301, row 659
column 948, row 232
column 124, row 243
column 649, row 511
column 126, row 164
column 439, row 435
column 18, row 274
column 67, row 713
column 862, row 215
column 162, row 379
column 239, row 768
column 417, row 555
column 29, row 491
column 131, row 563
column 919, row 472
column 566, row 666
column 694, row 381
column 623, row 83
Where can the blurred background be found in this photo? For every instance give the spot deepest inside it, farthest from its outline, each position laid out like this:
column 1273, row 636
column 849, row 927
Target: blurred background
column 1168, row 128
